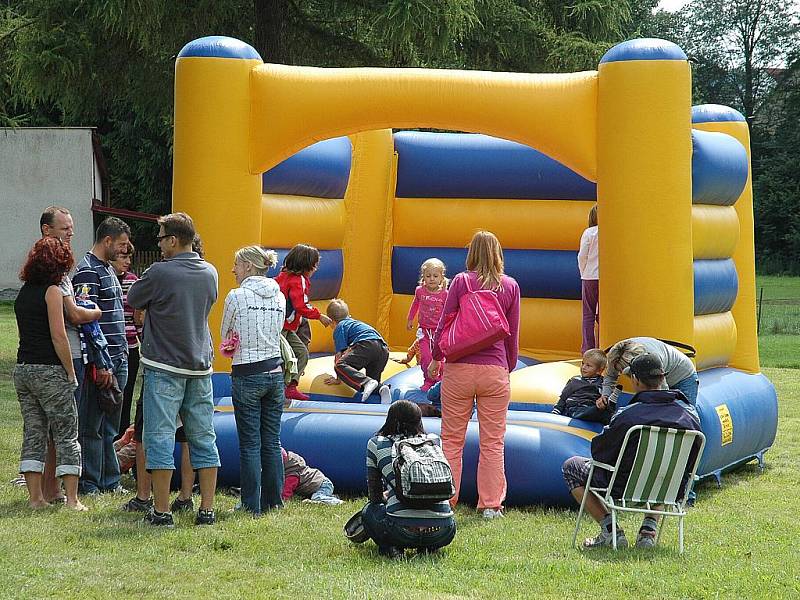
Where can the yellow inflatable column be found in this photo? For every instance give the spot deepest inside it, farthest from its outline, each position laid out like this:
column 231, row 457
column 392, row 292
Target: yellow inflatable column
column 367, row 247
column 644, row 192
column 212, row 181
column 713, row 117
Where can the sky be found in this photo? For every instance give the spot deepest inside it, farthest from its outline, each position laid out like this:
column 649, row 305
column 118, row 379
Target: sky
column 671, row 5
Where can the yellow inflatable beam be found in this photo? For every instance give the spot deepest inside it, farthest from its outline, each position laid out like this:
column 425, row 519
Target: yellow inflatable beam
column 554, row 113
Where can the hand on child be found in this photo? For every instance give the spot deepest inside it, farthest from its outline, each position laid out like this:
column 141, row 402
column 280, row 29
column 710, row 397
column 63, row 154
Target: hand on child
column 325, row 320
column 331, row 380
column 410, row 325
column 433, row 369
column 602, row 402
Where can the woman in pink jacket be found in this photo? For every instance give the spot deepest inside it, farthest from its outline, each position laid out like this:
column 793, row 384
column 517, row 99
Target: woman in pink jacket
column 480, row 378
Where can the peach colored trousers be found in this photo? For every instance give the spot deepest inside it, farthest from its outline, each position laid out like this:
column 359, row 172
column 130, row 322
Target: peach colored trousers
column 463, row 386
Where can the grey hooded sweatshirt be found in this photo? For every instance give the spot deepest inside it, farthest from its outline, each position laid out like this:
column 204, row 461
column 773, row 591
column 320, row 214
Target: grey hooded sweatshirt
column 255, row 311
column 177, row 294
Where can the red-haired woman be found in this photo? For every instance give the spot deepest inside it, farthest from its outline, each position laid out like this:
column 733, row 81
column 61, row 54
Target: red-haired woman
column 44, row 376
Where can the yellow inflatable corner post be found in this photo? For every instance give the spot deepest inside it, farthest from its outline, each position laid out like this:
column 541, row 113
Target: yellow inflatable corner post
column 644, row 192
column 722, row 119
column 212, row 179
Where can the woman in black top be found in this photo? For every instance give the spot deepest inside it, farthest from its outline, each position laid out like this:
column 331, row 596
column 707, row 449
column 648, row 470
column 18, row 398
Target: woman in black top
column 44, row 376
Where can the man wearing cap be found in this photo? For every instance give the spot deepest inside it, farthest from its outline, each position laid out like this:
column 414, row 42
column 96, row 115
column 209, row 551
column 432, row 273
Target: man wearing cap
column 651, row 405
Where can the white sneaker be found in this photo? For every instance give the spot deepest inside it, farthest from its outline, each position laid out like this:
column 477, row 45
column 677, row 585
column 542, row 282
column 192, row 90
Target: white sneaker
column 490, row 513
column 386, row 394
column 368, row 388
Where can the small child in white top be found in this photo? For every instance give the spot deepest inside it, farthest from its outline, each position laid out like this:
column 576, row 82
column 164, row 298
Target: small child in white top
column 588, row 266
column 429, row 299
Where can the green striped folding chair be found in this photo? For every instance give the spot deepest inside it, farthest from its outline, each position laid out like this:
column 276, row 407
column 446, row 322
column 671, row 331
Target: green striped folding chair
column 662, row 458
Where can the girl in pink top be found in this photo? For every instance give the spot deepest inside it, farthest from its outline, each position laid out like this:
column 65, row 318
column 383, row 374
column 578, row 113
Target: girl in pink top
column 480, row 379
column 429, row 299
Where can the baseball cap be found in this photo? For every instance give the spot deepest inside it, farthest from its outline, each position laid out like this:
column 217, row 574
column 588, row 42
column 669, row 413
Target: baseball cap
column 646, row 366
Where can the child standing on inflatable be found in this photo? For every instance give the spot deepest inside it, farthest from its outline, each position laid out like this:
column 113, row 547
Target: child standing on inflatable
column 588, row 266
column 294, row 280
column 429, row 299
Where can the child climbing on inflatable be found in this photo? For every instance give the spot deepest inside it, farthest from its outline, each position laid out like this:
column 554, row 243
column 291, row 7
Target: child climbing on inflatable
column 579, row 398
column 294, row 280
column 429, row 299
column 358, row 346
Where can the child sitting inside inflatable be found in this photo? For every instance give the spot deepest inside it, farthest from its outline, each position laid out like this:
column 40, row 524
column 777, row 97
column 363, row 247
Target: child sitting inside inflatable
column 579, row 397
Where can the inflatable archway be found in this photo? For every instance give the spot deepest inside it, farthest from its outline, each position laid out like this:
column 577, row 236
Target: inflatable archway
column 260, row 157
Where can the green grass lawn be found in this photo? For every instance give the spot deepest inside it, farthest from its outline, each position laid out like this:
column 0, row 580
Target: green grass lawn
column 741, row 539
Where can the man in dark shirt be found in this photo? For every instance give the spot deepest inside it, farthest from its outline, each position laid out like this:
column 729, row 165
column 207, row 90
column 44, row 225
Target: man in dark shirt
column 96, row 280
column 651, row 405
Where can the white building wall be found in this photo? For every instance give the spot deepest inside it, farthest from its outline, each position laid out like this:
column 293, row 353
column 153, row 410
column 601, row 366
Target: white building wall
column 38, row 168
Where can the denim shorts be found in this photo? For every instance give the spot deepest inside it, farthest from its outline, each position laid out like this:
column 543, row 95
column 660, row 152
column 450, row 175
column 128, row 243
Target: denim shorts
column 164, row 397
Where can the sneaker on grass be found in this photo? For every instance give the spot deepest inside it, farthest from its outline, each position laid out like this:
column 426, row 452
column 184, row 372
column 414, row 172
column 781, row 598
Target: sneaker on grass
column 178, row 505
column 136, row 504
column 205, row 517
column 646, row 539
column 155, row 519
column 604, row 539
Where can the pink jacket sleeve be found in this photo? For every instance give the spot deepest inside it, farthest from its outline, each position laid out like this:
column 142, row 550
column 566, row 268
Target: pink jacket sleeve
column 512, row 341
column 412, row 311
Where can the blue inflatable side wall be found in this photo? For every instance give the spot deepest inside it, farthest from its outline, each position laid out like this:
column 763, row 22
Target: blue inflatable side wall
column 738, row 414
column 322, row 170
column 447, row 165
column 539, row 273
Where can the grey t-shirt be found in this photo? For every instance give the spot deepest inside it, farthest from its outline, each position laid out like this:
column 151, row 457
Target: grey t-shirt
column 72, row 331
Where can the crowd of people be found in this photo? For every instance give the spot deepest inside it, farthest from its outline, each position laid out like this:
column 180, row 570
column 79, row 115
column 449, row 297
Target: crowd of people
column 86, row 332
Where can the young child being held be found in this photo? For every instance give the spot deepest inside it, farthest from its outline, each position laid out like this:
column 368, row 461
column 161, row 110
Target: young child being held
column 358, row 346
column 294, row 280
column 429, row 299
column 301, row 480
column 579, row 398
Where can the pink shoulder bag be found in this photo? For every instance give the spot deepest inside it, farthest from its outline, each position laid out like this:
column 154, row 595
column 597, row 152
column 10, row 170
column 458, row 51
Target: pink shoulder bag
column 478, row 323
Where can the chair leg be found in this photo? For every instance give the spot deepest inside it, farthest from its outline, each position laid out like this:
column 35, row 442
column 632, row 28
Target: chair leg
column 580, row 516
column 614, row 529
column 660, row 529
column 680, row 535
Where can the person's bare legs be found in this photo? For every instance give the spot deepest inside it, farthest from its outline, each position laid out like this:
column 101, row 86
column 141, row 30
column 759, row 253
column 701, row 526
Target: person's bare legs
column 51, row 486
column 187, row 474
column 33, row 481
column 161, row 479
column 208, row 487
column 593, row 506
column 143, row 482
column 71, row 489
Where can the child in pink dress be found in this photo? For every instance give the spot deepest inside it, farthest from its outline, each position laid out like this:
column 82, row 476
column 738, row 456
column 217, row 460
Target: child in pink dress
column 429, row 299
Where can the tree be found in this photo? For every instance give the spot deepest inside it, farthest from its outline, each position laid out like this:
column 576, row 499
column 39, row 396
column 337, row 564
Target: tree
column 736, row 44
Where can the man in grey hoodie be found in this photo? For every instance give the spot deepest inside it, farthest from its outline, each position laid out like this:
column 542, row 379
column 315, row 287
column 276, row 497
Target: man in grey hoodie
column 177, row 295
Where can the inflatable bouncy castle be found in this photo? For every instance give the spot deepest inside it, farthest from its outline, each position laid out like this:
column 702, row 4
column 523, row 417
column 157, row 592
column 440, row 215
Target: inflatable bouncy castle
column 279, row 155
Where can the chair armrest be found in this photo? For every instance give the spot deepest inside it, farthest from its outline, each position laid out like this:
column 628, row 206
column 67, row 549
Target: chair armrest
column 603, row 466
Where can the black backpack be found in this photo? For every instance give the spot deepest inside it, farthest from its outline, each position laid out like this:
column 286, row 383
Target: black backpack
column 422, row 475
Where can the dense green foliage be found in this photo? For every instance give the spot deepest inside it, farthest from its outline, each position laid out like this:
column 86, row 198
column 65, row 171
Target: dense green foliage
column 109, row 64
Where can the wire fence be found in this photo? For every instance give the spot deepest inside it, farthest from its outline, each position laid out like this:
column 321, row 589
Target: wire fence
column 778, row 312
column 143, row 259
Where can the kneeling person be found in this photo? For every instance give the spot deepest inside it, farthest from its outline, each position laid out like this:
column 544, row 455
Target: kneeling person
column 649, row 406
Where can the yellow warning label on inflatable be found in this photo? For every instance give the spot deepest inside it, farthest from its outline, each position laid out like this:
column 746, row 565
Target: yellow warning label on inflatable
column 726, row 424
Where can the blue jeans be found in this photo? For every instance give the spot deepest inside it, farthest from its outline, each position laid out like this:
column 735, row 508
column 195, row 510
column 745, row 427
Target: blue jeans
column 258, row 406
column 96, row 433
column 164, row 397
column 689, row 387
column 387, row 531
